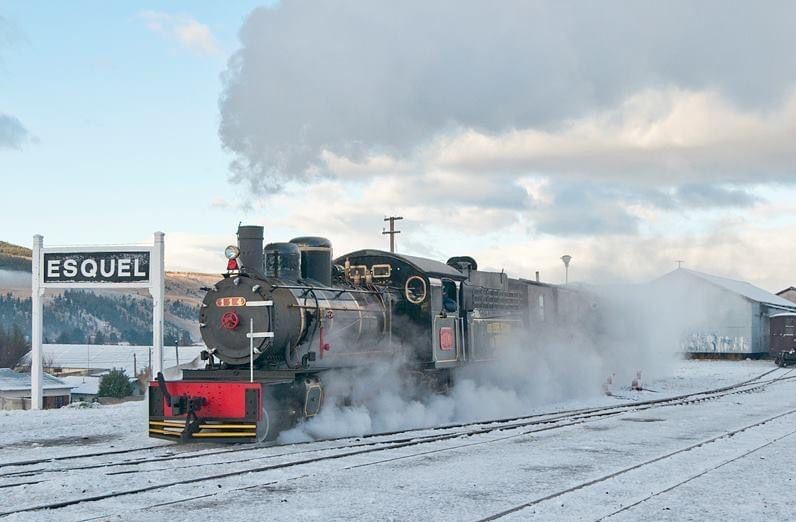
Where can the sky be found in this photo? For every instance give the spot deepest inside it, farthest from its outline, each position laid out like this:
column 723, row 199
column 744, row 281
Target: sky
column 629, row 135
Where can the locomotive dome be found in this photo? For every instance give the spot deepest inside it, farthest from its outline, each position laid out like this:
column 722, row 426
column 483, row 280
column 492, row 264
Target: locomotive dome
column 282, row 261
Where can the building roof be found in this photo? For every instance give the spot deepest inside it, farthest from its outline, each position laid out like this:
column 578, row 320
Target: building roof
column 428, row 266
column 747, row 290
column 106, row 357
column 16, row 381
column 789, row 289
column 87, row 385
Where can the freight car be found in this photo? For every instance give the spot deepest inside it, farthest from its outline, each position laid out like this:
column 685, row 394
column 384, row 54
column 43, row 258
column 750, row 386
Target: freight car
column 782, row 338
column 285, row 314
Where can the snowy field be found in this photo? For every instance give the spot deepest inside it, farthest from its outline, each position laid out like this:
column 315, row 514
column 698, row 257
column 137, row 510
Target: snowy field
column 711, row 459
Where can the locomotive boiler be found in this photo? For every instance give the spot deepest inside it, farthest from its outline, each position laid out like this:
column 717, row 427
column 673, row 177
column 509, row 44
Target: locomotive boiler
column 285, row 314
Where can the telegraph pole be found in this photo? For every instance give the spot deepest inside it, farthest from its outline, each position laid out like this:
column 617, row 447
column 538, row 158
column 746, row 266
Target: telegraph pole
column 392, row 231
column 679, row 263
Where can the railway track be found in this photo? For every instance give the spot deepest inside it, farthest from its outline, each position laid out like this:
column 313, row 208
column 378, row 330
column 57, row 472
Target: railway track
column 696, row 476
column 645, row 463
column 515, row 427
column 179, row 453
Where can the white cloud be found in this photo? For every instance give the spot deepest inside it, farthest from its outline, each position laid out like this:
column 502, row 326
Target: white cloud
column 656, row 137
column 550, row 135
column 184, row 29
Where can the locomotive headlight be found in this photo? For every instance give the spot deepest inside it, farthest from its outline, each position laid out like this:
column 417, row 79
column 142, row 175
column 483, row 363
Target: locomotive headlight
column 232, row 252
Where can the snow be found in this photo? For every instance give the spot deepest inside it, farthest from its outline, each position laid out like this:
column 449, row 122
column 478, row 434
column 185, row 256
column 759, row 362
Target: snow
column 743, row 288
column 466, row 478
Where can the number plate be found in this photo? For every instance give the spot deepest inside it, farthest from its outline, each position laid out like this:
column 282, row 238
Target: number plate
column 230, row 301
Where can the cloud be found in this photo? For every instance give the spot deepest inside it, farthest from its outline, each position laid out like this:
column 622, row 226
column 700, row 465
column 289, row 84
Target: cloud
column 585, row 210
column 668, row 136
column 184, row 29
column 626, row 90
column 702, row 196
column 12, row 133
column 220, row 203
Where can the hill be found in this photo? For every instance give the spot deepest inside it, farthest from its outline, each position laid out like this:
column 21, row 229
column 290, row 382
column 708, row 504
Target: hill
column 14, row 257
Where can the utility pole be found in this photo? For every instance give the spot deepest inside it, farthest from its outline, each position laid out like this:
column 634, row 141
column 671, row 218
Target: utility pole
column 177, row 351
column 135, row 366
column 392, row 231
column 679, row 263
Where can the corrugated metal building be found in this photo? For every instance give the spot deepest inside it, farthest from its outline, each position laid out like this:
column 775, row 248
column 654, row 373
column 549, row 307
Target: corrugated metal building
column 720, row 316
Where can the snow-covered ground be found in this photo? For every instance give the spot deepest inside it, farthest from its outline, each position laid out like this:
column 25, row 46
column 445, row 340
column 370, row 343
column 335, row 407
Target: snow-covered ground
column 670, row 463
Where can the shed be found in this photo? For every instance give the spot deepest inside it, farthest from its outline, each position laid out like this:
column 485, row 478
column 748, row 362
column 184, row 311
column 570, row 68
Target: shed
column 719, row 316
column 15, row 390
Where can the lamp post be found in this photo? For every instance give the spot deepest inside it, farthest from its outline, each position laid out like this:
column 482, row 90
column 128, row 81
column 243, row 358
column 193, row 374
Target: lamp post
column 566, row 259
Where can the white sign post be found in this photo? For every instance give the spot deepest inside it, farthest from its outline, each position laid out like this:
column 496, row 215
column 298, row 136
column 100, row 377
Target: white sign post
column 95, row 267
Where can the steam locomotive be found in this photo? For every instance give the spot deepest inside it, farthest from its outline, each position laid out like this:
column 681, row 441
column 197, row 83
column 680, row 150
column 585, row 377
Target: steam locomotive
column 285, row 314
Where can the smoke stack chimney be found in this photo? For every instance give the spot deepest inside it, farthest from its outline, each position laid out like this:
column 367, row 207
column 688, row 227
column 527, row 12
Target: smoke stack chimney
column 250, row 242
column 537, row 276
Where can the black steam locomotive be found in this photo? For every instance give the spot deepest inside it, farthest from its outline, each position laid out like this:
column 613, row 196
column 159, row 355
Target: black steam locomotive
column 284, row 314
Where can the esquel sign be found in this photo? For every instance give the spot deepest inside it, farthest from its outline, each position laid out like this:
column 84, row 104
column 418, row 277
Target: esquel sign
column 96, row 267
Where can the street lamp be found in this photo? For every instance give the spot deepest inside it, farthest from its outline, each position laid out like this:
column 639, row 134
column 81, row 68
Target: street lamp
column 566, row 259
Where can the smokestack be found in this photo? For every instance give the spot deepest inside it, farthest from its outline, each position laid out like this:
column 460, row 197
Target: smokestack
column 250, row 242
column 537, row 276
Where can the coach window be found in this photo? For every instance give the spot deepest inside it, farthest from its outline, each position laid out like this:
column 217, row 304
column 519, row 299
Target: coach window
column 449, row 296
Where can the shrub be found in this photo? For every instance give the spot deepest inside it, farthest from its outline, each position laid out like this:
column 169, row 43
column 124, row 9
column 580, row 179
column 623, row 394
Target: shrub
column 115, row 384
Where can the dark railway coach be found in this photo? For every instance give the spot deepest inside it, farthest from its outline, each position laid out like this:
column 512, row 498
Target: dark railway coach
column 284, row 314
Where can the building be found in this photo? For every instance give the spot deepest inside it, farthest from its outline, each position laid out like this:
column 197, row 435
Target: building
column 15, row 391
column 85, row 388
column 789, row 294
column 783, row 333
column 718, row 316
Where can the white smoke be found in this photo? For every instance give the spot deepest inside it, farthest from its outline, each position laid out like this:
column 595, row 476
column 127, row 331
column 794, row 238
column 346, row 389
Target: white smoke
column 574, row 363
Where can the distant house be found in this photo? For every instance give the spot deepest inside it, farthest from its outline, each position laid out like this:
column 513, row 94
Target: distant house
column 789, row 294
column 720, row 316
column 15, row 391
column 85, row 388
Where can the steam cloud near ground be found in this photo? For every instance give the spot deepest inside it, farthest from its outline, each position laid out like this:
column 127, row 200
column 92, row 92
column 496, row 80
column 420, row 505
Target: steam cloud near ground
column 628, row 332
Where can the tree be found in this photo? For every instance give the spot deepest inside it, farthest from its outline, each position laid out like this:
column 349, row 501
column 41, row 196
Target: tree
column 115, row 384
column 169, row 339
column 12, row 346
column 185, row 339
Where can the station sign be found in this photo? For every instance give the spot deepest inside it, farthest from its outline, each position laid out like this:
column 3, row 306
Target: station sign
column 96, row 267
column 100, row 266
